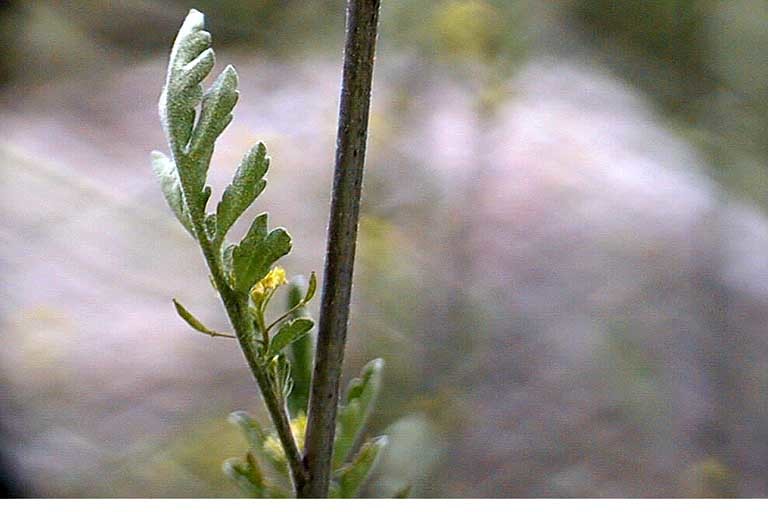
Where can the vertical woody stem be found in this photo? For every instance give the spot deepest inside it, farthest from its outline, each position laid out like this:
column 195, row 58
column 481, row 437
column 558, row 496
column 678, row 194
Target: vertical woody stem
column 362, row 23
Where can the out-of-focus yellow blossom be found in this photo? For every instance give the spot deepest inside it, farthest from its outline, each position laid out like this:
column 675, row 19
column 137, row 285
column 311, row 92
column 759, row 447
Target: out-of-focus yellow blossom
column 298, row 427
column 469, row 29
column 274, row 279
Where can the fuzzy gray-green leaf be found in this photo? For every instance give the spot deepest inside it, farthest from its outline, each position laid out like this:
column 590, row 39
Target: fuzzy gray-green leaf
column 289, row 332
column 247, row 475
column 246, row 186
column 171, row 186
column 354, row 414
column 190, row 62
column 195, row 71
column 250, row 428
column 227, row 262
column 256, row 437
column 352, row 477
column 257, row 252
column 215, row 115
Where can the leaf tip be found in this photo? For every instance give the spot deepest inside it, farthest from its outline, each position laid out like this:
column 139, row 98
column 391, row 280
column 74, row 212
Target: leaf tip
column 380, row 442
column 238, row 417
column 193, row 22
column 377, row 365
column 229, row 76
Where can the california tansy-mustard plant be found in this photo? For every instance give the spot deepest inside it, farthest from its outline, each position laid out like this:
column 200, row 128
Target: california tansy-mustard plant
column 247, row 277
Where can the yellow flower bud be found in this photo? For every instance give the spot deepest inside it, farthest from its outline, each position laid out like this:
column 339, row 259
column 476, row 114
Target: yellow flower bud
column 272, row 443
column 273, row 280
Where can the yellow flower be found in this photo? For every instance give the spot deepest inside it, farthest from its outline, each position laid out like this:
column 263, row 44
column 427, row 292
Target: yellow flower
column 298, row 427
column 274, row 279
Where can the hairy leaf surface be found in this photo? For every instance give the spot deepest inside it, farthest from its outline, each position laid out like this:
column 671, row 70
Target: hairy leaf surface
column 354, row 414
column 257, row 252
column 289, row 332
column 246, row 186
column 171, row 187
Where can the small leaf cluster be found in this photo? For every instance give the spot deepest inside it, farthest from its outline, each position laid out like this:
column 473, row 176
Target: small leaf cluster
column 193, row 120
column 191, row 138
column 263, row 471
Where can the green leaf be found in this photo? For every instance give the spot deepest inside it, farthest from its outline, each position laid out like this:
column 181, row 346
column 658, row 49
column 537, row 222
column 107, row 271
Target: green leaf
column 256, row 437
column 215, row 115
column 190, row 62
column 352, row 477
column 289, row 332
column 251, row 429
column 192, row 144
column 279, row 372
column 311, row 289
column 169, row 182
column 247, row 475
column 196, row 70
column 354, row 414
column 347, row 428
column 300, row 351
column 197, row 324
column 246, row 186
column 257, row 252
column 366, row 387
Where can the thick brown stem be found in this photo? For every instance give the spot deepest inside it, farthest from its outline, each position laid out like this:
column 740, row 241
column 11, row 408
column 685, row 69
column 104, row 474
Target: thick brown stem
column 362, row 22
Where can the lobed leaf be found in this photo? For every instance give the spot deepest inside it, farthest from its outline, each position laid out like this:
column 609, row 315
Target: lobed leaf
column 190, row 62
column 257, row 252
column 192, row 144
column 246, row 186
column 289, row 332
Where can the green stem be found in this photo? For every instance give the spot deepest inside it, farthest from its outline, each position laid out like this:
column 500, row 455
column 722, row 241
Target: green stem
column 286, row 315
column 236, row 306
column 264, row 330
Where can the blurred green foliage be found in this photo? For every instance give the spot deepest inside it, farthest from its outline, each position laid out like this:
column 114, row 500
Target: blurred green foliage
column 702, row 62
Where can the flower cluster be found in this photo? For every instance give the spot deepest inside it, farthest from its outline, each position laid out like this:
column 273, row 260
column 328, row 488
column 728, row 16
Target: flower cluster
column 267, row 286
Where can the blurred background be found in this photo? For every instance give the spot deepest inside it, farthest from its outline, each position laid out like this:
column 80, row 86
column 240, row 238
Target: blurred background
column 563, row 255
